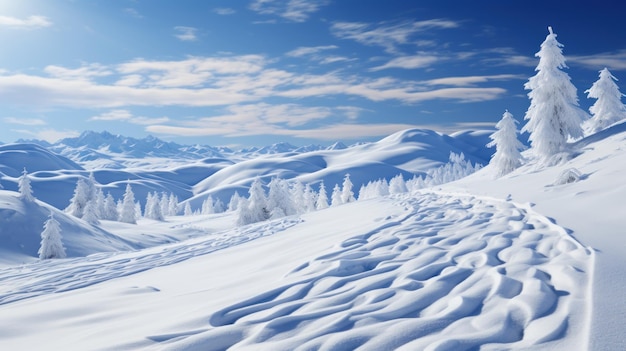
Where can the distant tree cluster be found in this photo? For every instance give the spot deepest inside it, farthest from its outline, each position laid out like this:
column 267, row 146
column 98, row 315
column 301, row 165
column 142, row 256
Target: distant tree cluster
column 286, row 198
column 554, row 115
column 90, row 204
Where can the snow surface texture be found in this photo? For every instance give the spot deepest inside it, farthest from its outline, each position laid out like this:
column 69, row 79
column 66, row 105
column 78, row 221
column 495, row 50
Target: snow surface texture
column 442, row 272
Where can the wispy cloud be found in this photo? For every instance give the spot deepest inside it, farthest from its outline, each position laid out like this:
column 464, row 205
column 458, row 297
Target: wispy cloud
column 316, row 53
column 410, row 62
column 127, row 116
column 30, row 22
column 386, row 35
column 292, row 10
column 25, row 121
column 472, row 80
column 220, row 81
column 611, row 60
column 85, row 72
column 310, row 50
column 224, row 11
column 186, row 33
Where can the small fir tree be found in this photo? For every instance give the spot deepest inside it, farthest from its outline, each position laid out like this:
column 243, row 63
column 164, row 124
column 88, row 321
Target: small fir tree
column 110, row 208
column 322, row 198
column 187, row 211
column 554, row 114
column 127, row 213
column 608, row 108
column 335, row 198
column 26, row 192
column 507, row 156
column 347, row 195
column 51, row 240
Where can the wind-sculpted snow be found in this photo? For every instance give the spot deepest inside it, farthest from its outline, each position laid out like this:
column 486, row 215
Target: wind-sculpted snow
column 454, row 273
column 46, row 277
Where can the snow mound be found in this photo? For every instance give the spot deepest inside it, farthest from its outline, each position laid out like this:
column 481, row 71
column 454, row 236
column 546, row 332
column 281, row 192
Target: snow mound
column 22, row 224
column 453, row 273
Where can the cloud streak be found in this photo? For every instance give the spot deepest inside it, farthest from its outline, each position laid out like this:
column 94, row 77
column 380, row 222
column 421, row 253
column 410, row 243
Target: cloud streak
column 31, row 22
column 291, row 10
column 186, row 33
column 389, row 36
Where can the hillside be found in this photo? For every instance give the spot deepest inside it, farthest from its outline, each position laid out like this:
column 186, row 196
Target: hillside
column 520, row 262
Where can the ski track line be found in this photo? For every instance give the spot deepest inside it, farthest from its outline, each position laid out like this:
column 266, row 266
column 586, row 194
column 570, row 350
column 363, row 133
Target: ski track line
column 458, row 272
column 54, row 276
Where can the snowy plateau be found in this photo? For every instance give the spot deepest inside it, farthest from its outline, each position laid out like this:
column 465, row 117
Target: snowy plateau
column 531, row 260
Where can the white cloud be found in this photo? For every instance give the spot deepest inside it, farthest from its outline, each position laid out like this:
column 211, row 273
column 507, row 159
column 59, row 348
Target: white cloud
column 388, row 36
column 472, row 80
column 186, row 33
column 30, row 22
column 85, row 72
column 611, row 60
column 409, row 62
column 127, row 116
column 292, row 10
column 224, row 11
column 25, row 121
column 310, row 50
column 218, row 81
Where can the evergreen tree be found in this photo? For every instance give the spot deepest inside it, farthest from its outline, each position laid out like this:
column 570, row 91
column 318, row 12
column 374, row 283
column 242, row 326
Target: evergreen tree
column 322, row 198
column 127, row 214
column 309, row 198
column 279, row 199
column 51, row 240
column 608, row 108
column 89, row 214
column 207, row 205
column 153, row 207
column 26, row 192
column 336, row 199
column 254, row 209
column 234, row 201
column 218, row 206
column 554, row 114
column 397, row 185
column 172, row 205
column 187, row 211
column 346, row 191
column 507, row 156
column 110, row 209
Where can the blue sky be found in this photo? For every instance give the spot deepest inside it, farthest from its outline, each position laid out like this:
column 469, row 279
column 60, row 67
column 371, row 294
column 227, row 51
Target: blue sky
column 255, row 72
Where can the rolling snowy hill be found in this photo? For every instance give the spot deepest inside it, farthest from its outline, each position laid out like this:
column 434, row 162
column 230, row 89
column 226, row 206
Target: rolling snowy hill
column 520, row 262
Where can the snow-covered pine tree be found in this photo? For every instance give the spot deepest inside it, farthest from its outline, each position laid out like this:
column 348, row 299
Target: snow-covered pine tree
column 309, row 198
column 26, row 191
column 554, row 113
column 127, row 214
column 153, row 207
column 90, row 213
column 346, row 191
column 507, row 156
column 218, row 206
column 234, row 201
column 254, row 209
column 110, row 208
column 335, row 197
column 397, row 185
column 165, row 204
column 279, row 199
column 51, row 240
column 79, row 199
column 187, row 211
column 207, row 205
column 608, row 108
column 172, row 205
column 322, row 198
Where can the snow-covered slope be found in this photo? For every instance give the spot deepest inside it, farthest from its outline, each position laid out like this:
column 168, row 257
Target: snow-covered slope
column 21, row 224
column 520, row 262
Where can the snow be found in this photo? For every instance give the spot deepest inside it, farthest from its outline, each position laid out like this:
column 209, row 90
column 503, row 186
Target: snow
column 519, row 262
